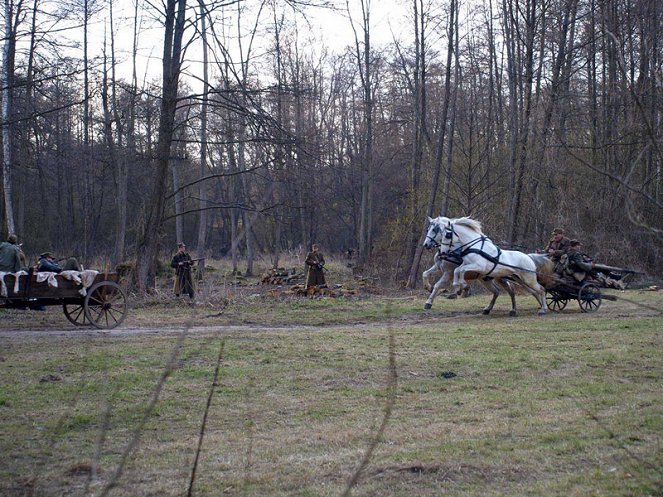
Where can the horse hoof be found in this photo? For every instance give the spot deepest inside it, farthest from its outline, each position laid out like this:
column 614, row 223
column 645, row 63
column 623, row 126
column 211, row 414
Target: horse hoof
column 452, row 296
column 542, row 313
column 427, row 305
column 486, row 312
column 512, row 313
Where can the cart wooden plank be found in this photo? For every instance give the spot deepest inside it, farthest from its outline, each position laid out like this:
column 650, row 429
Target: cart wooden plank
column 66, row 289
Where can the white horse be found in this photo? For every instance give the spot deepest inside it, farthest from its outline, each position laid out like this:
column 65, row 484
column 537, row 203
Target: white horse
column 463, row 239
column 447, row 268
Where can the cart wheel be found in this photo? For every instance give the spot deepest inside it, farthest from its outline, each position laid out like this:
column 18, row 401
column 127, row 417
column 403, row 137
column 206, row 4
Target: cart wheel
column 555, row 301
column 105, row 305
column 75, row 313
column 589, row 297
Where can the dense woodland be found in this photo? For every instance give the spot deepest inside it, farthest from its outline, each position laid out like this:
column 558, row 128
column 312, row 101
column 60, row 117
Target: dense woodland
column 524, row 114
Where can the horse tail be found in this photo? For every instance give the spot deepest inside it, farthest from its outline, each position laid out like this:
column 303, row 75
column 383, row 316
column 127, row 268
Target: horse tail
column 545, row 270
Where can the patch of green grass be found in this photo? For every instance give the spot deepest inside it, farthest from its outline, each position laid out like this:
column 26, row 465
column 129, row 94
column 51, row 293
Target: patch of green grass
column 563, row 405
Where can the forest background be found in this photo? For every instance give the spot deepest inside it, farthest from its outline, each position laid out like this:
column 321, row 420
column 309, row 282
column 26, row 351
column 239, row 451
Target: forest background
column 255, row 139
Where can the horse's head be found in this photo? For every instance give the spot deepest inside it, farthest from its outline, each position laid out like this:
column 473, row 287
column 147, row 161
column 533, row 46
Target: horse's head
column 437, row 229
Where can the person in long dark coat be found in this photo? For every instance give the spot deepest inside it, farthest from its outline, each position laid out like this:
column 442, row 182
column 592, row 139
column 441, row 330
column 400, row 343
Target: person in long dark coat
column 315, row 262
column 182, row 263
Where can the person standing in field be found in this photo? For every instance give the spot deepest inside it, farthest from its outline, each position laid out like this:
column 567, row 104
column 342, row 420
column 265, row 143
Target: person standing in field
column 182, row 263
column 315, row 263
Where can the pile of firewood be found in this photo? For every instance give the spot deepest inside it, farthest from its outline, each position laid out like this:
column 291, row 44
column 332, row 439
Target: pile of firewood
column 282, row 276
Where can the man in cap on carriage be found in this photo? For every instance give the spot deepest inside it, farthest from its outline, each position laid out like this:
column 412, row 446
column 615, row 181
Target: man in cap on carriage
column 49, row 263
column 580, row 265
column 558, row 245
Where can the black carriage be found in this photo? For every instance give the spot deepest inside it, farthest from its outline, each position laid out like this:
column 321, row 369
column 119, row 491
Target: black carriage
column 100, row 303
column 587, row 292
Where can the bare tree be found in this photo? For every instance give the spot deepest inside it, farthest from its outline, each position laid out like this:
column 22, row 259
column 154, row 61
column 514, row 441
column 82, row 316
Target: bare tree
column 12, row 15
column 439, row 153
column 172, row 61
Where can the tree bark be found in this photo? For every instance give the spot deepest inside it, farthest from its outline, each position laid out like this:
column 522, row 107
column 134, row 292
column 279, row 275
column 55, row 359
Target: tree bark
column 172, row 53
column 439, row 153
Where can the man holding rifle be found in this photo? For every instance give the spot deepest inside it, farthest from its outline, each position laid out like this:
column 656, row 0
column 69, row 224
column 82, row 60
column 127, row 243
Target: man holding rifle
column 315, row 276
column 182, row 262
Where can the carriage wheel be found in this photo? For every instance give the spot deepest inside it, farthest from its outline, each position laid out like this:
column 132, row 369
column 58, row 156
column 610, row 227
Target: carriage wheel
column 75, row 313
column 589, row 297
column 555, row 301
column 105, row 305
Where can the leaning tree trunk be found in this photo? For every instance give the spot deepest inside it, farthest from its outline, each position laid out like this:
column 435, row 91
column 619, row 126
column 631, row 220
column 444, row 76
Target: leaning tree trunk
column 149, row 243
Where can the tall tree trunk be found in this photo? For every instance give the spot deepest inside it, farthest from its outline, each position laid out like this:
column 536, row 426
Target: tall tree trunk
column 439, row 152
column 87, row 153
column 202, row 189
column 363, row 57
column 172, row 59
column 7, row 125
column 515, row 210
column 179, row 222
column 419, row 107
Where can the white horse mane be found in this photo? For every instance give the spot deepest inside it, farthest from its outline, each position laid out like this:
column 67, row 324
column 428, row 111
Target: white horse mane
column 468, row 222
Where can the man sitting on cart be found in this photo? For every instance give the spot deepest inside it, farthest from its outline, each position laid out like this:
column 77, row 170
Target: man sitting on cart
column 580, row 265
column 48, row 263
column 12, row 259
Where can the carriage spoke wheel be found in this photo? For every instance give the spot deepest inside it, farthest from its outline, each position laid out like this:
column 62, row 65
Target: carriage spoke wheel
column 555, row 301
column 105, row 305
column 589, row 297
column 75, row 313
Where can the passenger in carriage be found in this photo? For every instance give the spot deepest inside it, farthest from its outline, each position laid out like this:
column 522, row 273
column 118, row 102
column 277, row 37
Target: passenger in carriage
column 558, row 245
column 580, row 265
column 12, row 258
column 48, row 263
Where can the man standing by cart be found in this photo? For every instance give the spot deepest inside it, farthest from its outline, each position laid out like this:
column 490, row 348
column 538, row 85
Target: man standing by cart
column 182, row 263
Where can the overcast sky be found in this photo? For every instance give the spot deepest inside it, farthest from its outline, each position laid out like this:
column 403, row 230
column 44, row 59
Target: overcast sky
column 333, row 28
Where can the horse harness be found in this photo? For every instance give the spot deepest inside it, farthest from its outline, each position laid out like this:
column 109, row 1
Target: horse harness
column 456, row 255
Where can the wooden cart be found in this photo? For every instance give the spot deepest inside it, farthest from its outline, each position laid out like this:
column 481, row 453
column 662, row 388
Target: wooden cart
column 102, row 305
column 588, row 292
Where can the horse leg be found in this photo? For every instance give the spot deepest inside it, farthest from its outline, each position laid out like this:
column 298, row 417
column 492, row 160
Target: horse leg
column 492, row 288
column 530, row 284
column 508, row 287
column 426, row 275
column 443, row 282
column 460, row 284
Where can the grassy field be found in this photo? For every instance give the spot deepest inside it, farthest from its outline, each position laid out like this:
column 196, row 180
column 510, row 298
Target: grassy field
column 364, row 396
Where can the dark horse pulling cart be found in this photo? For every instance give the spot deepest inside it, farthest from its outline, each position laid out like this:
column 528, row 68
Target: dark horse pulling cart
column 101, row 303
column 587, row 292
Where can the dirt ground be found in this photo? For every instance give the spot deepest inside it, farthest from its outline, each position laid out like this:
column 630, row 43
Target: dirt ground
column 162, row 313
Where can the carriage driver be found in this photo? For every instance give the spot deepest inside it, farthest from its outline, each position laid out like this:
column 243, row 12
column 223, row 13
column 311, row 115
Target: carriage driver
column 558, row 245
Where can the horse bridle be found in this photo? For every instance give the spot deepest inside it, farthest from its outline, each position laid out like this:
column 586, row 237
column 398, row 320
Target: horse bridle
column 456, row 255
column 448, row 235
